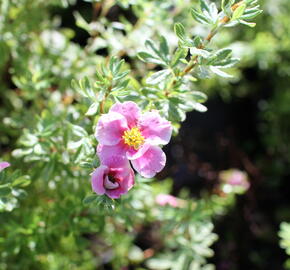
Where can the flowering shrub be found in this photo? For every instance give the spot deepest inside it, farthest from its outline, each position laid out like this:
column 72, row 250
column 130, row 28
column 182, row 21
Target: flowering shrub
column 79, row 110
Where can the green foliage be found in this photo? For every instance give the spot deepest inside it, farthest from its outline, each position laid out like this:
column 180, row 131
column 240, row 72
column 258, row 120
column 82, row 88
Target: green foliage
column 53, row 91
column 12, row 189
column 284, row 234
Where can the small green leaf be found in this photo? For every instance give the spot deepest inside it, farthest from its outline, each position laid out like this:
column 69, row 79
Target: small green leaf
column 199, row 17
column 87, row 165
column 198, row 96
column 22, row 181
column 150, row 44
column 159, row 264
column 81, row 22
column 222, row 54
column 179, row 54
column 251, row 13
column 204, row 6
column 250, row 24
column 203, row 72
column 93, row 109
column 89, row 199
column 197, row 41
column 149, row 58
column 163, row 48
column 220, row 73
column 158, row 76
column 4, row 190
column 226, row 6
column 239, row 12
column 199, row 52
column 179, row 31
column 78, row 131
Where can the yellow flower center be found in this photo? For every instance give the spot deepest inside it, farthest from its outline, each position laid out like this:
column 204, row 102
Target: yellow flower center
column 133, row 138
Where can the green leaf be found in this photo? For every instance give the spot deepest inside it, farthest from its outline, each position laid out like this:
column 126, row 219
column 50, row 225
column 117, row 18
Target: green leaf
column 163, row 48
column 5, row 190
column 180, row 31
column 204, row 6
column 174, row 112
column 121, row 75
column 149, row 58
column 81, row 22
column 227, row 63
column 238, row 12
column 199, row 17
column 203, row 72
column 89, row 199
column 213, row 12
column 198, row 96
column 222, row 54
column 150, row 45
column 220, row 73
column 226, row 6
column 251, row 13
column 159, row 264
column 179, row 54
column 78, row 130
column 93, row 109
column 158, row 76
column 22, row 181
column 115, row 66
column 87, row 165
column 250, row 24
column 83, row 87
column 199, row 52
column 197, row 41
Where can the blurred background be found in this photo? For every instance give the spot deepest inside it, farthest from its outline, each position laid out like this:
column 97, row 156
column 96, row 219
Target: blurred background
column 45, row 44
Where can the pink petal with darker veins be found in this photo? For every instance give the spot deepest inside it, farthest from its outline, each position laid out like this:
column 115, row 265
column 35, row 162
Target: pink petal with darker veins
column 106, row 153
column 129, row 110
column 154, row 128
column 110, row 128
column 98, row 179
column 126, row 183
column 134, row 154
column 150, row 163
column 114, row 177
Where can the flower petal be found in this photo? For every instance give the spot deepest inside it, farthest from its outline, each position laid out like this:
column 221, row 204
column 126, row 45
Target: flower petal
column 113, row 156
column 110, row 185
column 154, row 128
column 98, row 179
column 164, row 199
column 134, row 154
column 126, row 183
column 4, row 165
column 129, row 110
column 150, row 163
column 110, row 128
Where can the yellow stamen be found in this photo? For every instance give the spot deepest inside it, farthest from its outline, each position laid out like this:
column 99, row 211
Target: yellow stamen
column 133, row 138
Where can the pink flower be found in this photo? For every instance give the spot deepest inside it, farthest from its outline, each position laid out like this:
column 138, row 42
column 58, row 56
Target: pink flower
column 114, row 177
column 166, row 199
column 238, row 178
column 127, row 132
column 4, row 165
column 235, row 178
